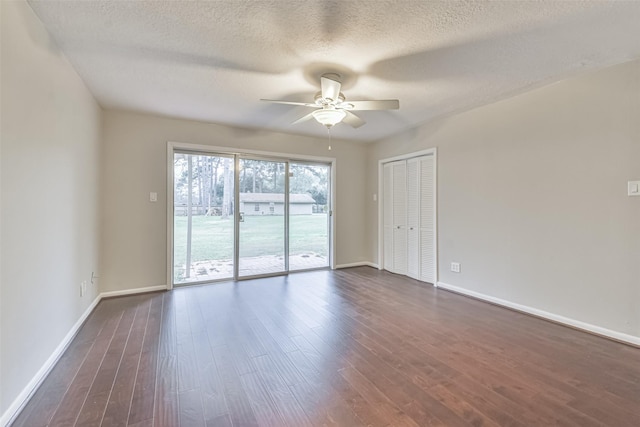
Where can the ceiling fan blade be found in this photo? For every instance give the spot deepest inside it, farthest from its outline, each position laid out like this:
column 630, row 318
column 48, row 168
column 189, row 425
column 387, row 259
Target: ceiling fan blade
column 304, row 104
column 386, row 104
column 303, row 119
column 352, row 120
column 330, row 88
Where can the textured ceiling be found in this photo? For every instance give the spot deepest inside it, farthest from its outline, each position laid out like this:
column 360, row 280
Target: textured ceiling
column 214, row 60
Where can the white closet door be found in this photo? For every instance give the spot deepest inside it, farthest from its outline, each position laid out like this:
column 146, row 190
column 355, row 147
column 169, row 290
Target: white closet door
column 413, row 218
column 427, row 219
column 399, row 215
column 387, row 216
column 409, row 192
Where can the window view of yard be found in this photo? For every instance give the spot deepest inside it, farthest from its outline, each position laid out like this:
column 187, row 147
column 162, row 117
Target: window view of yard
column 204, row 211
column 212, row 239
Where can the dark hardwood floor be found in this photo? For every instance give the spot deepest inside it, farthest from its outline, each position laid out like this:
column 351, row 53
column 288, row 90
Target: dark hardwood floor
column 353, row 347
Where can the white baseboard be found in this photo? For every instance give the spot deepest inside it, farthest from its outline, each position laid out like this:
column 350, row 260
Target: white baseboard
column 618, row 336
column 357, row 264
column 18, row 403
column 42, row 373
column 111, row 294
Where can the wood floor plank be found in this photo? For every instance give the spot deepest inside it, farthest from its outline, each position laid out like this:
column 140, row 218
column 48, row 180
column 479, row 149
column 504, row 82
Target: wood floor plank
column 143, row 397
column 191, row 410
column 166, row 411
column 352, row 347
column 322, row 403
column 260, row 400
column 220, row 421
column 281, row 364
column 187, row 367
column 282, row 340
column 144, row 423
column 380, row 403
column 67, row 412
column 211, row 388
column 272, row 377
column 241, row 412
column 92, row 411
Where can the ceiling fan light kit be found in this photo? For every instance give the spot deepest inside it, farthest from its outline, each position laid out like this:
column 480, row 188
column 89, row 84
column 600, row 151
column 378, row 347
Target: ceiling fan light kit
column 329, row 116
column 332, row 107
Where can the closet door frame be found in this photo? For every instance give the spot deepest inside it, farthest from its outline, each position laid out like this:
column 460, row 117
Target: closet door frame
column 429, row 152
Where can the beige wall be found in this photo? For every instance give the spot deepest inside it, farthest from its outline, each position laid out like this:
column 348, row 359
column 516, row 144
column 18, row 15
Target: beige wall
column 49, row 177
column 532, row 195
column 134, row 163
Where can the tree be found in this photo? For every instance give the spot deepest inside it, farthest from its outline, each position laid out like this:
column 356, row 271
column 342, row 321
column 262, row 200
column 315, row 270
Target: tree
column 310, row 179
column 187, row 272
column 213, row 192
column 227, row 188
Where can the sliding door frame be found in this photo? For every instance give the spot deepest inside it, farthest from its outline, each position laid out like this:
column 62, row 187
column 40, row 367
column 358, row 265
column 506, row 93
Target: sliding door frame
column 237, row 153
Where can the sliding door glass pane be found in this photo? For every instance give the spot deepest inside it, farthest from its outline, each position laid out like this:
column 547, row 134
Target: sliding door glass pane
column 308, row 216
column 203, row 218
column 262, row 220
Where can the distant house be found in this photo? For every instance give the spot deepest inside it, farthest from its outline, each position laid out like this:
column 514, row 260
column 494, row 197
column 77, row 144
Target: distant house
column 273, row 204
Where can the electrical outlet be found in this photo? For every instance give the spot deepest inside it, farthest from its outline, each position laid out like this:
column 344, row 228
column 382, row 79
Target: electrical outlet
column 83, row 288
column 455, row 267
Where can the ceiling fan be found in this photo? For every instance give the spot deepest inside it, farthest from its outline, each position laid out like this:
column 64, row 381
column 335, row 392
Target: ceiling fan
column 332, row 107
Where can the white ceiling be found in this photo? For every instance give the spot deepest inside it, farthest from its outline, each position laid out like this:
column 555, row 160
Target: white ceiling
column 214, row 60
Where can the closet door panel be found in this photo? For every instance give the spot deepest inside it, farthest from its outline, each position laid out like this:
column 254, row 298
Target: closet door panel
column 399, row 215
column 413, row 218
column 387, row 217
column 427, row 220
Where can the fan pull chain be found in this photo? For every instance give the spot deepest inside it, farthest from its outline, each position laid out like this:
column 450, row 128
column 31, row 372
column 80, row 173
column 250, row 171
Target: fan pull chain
column 329, row 132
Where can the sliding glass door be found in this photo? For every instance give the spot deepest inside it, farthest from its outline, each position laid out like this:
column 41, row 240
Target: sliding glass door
column 239, row 216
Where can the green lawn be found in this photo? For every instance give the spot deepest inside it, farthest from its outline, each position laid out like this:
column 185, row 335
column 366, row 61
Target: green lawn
column 212, row 236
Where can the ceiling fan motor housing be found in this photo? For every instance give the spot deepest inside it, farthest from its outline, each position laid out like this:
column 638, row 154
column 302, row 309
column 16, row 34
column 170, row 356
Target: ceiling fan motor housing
column 320, row 101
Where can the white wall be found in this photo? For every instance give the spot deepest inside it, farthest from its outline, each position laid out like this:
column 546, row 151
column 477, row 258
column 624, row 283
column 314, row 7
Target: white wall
column 532, row 195
column 134, row 161
column 49, row 176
